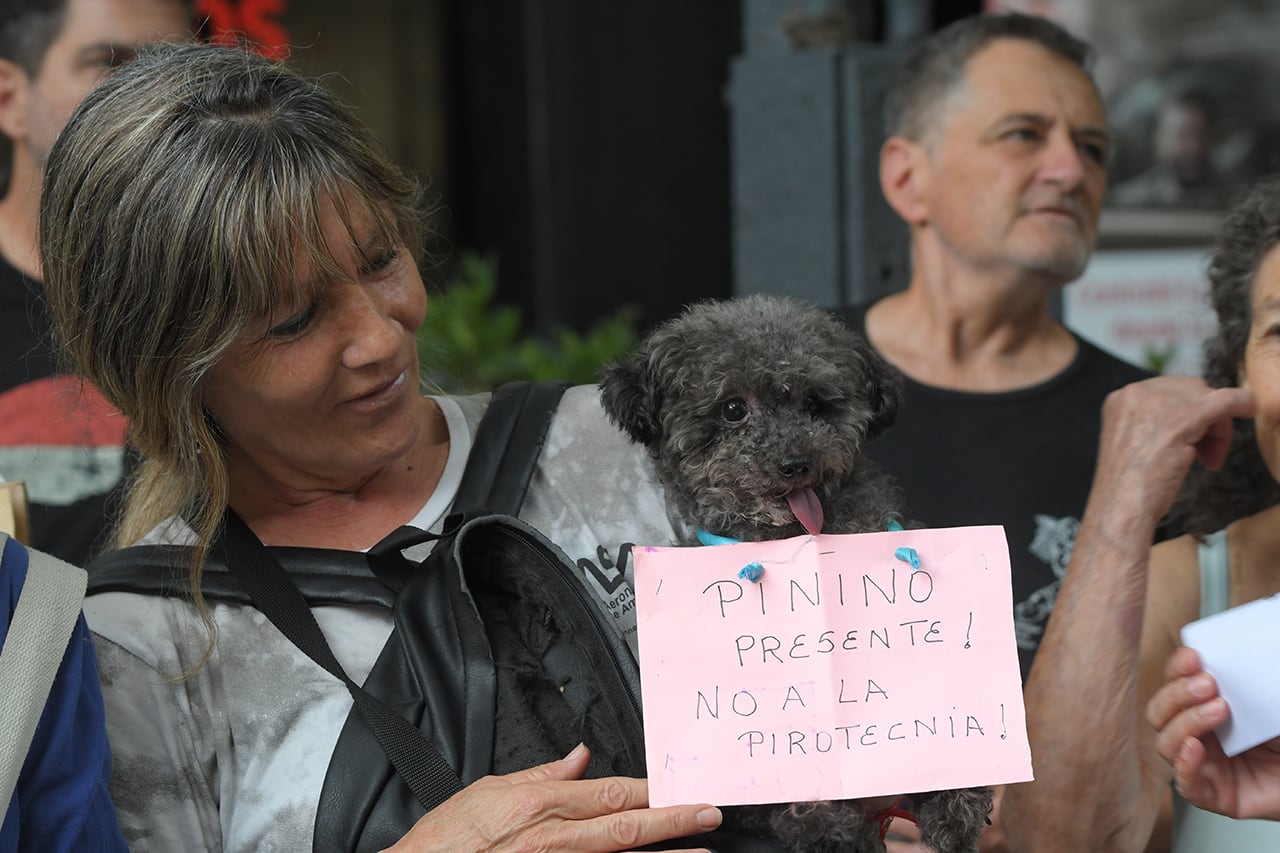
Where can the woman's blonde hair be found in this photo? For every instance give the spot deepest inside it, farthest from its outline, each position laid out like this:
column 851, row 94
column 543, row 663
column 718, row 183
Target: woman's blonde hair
column 175, row 203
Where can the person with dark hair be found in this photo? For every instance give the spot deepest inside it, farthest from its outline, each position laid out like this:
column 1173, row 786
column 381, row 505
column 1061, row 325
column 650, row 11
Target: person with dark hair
column 57, row 434
column 996, row 160
column 1099, row 783
column 1182, row 172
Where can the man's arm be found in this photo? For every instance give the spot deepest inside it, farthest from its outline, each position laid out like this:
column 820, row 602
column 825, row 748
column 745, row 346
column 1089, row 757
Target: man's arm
column 1097, row 787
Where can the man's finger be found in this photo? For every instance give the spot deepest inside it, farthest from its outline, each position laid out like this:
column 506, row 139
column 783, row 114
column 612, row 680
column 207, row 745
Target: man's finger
column 1221, row 407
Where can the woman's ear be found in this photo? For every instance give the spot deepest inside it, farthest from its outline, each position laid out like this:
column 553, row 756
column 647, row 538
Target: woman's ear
column 904, row 176
column 15, row 90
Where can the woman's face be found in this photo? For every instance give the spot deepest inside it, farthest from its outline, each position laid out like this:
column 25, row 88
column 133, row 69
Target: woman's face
column 324, row 395
column 1260, row 371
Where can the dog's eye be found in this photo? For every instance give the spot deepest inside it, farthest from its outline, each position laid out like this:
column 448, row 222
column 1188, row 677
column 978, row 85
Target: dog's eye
column 813, row 404
column 734, row 410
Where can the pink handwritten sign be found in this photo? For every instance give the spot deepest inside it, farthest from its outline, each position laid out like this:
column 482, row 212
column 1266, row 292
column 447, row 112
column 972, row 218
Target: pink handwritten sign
column 843, row 673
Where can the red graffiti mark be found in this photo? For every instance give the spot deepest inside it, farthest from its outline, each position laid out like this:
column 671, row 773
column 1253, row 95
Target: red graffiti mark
column 59, row 411
column 258, row 21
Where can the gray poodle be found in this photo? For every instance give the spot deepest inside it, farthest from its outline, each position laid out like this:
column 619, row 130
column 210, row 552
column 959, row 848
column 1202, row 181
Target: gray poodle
column 756, row 411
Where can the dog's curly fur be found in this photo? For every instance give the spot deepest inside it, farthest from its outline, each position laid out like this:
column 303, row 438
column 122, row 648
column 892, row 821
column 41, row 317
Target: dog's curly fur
column 740, row 403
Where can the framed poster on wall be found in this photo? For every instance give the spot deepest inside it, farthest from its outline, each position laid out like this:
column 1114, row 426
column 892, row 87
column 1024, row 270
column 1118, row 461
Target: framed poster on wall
column 1147, row 306
column 1188, row 89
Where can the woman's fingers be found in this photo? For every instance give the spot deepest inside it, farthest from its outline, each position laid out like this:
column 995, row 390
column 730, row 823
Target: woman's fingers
column 572, row 766
column 1186, row 686
column 598, row 814
column 1202, row 775
column 1190, row 725
column 1179, row 695
column 1183, row 662
column 629, row 830
column 1186, row 708
column 1187, row 769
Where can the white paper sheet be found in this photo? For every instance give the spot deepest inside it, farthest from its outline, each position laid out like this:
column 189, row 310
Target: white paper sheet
column 1239, row 648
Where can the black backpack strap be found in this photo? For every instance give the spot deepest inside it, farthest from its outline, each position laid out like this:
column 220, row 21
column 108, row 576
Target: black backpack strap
column 415, row 758
column 506, row 449
column 324, row 576
column 501, row 463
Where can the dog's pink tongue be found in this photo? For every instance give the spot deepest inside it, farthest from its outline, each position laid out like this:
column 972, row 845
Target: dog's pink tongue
column 807, row 508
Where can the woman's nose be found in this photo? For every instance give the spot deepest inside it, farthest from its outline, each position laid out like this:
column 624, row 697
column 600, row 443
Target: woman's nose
column 373, row 334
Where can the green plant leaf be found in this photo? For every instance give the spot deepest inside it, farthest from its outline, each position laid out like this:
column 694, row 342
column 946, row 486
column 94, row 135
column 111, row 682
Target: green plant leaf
column 468, row 343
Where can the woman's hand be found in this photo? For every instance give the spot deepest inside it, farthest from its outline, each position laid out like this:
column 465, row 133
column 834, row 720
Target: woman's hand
column 552, row 808
column 1184, row 712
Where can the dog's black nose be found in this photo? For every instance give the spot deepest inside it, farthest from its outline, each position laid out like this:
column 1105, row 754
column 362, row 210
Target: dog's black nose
column 795, row 468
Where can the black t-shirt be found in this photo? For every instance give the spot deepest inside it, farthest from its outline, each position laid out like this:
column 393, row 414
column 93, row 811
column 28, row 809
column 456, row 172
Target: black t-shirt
column 57, row 434
column 1023, row 459
column 26, row 351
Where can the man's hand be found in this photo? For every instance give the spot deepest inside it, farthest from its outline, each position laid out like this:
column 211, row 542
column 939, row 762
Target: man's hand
column 1152, row 432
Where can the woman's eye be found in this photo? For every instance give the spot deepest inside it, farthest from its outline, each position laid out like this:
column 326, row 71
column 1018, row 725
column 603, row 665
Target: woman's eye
column 380, row 260
column 294, row 325
column 734, row 410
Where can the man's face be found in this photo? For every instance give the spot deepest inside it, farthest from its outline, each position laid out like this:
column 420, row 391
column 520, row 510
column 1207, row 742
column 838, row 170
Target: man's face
column 1182, row 142
column 1017, row 164
column 97, row 36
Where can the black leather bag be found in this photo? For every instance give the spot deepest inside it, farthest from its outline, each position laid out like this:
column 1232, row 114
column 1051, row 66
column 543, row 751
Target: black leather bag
column 496, row 590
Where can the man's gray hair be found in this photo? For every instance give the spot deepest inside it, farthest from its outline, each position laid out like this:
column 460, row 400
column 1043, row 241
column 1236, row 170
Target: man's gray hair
column 936, row 65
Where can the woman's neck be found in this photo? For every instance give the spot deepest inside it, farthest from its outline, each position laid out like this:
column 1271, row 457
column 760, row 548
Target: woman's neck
column 350, row 515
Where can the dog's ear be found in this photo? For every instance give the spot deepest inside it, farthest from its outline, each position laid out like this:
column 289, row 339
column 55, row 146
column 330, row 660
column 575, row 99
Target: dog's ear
column 882, row 384
column 631, row 398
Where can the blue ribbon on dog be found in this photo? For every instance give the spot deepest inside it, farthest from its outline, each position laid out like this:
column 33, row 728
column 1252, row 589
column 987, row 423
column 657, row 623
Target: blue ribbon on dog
column 708, row 538
column 751, row 571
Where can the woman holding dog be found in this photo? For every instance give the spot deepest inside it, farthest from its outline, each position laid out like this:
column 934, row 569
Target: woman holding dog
column 232, row 261
column 1112, row 702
